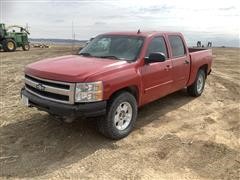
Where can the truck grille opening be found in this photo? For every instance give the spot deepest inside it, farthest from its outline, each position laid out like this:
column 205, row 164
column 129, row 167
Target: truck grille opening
column 63, row 86
column 48, row 94
column 51, row 90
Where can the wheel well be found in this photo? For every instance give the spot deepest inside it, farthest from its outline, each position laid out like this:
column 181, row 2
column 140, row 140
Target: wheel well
column 205, row 68
column 131, row 89
column 6, row 39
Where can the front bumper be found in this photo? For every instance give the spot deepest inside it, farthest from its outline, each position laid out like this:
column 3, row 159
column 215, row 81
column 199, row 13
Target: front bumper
column 76, row 110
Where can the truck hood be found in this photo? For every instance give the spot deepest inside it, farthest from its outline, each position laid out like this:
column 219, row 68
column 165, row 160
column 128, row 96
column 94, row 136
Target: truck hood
column 72, row 68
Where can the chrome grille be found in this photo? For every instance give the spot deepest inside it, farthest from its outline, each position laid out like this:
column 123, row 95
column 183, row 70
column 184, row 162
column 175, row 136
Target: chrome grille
column 51, row 90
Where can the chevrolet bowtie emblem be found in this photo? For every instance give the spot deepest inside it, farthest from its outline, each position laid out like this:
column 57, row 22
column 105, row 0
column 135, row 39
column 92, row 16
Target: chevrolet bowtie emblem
column 40, row 87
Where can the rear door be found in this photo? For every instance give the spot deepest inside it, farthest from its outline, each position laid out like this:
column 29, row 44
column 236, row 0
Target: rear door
column 156, row 77
column 180, row 60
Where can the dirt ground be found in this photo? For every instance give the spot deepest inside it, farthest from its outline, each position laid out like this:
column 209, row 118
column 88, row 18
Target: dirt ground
column 176, row 137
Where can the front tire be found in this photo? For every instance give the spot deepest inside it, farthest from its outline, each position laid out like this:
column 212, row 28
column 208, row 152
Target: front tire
column 197, row 87
column 120, row 118
column 26, row 47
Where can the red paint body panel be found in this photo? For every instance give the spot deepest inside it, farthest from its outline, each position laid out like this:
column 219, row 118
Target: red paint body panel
column 72, row 68
column 152, row 81
column 198, row 59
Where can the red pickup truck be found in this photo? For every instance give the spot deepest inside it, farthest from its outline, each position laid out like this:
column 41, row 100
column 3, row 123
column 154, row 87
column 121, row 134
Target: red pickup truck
column 114, row 75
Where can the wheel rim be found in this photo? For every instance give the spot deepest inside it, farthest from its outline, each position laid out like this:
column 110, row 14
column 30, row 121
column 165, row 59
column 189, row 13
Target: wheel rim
column 26, row 46
column 200, row 83
column 10, row 45
column 123, row 116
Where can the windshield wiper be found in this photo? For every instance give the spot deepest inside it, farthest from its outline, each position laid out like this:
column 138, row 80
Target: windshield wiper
column 85, row 54
column 110, row 57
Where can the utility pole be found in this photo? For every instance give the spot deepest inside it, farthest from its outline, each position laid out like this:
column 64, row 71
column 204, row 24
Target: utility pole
column 73, row 37
column 27, row 27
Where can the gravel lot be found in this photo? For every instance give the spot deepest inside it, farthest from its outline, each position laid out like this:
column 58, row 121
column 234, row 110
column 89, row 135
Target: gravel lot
column 176, row 137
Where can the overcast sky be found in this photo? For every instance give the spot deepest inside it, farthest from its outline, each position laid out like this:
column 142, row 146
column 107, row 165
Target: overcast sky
column 207, row 19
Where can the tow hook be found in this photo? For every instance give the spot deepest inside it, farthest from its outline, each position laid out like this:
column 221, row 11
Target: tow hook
column 68, row 119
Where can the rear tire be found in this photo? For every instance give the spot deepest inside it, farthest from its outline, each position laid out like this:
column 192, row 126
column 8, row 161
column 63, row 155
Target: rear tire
column 9, row 45
column 197, row 87
column 121, row 116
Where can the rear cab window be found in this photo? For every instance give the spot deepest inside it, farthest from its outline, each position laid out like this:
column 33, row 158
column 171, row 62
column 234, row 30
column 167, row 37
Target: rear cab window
column 177, row 46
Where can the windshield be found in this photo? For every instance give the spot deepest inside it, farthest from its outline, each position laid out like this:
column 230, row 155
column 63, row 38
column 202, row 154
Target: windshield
column 114, row 47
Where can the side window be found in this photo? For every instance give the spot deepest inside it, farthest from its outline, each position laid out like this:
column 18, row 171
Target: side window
column 157, row 45
column 177, row 46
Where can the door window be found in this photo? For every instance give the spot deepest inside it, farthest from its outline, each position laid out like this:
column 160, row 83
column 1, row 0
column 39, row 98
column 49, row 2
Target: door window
column 177, row 46
column 157, row 45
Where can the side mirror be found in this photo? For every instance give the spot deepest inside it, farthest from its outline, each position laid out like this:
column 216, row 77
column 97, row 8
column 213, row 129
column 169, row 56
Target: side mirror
column 155, row 57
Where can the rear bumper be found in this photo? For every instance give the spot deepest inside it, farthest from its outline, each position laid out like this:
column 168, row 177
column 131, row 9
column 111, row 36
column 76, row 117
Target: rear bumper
column 83, row 109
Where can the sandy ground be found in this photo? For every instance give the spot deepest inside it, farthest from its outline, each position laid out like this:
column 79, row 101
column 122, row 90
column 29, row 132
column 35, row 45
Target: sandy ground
column 176, row 137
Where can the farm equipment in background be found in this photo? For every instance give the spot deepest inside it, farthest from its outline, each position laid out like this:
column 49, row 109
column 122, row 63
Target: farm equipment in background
column 10, row 39
column 40, row 45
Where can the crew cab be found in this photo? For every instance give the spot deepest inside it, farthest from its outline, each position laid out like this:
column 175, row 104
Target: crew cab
column 115, row 74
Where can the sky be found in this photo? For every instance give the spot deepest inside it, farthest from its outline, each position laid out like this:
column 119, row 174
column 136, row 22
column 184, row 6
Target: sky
column 205, row 20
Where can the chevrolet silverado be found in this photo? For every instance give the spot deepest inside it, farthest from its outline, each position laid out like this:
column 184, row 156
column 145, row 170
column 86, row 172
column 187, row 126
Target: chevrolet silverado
column 115, row 74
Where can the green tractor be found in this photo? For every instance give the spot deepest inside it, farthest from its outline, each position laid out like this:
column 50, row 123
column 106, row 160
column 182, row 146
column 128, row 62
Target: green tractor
column 10, row 40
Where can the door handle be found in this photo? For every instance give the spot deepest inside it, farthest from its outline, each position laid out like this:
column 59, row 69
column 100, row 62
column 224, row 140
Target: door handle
column 167, row 67
column 186, row 62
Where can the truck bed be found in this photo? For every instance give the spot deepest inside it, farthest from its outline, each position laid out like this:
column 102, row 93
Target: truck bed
column 190, row 50
column 199, row 57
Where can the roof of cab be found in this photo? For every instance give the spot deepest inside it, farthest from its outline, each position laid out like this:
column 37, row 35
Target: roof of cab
column 142, row 34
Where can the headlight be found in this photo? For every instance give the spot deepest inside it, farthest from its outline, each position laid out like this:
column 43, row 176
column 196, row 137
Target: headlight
column 89, row 92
